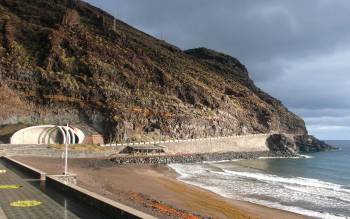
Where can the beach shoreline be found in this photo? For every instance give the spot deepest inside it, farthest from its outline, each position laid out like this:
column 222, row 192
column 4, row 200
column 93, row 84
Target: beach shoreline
column 154, row 189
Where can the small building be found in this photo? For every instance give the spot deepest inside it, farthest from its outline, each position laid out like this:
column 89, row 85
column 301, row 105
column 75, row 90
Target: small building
column 94, row 139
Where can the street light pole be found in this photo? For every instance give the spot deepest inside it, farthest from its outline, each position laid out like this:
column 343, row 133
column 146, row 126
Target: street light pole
column 66, row 152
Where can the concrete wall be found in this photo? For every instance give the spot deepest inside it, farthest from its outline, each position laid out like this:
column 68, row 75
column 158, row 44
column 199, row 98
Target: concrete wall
column 108, row 206
column 45, row 151
column 37, row 174
column 246, row 143
column 243, row 143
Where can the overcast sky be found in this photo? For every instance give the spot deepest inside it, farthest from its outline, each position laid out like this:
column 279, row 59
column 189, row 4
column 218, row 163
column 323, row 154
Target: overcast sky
column 296, row 50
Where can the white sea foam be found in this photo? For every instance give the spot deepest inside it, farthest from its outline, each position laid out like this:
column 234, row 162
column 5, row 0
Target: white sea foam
column 306, row 156
column 279, row 158
column 301, row 156
column 221, row 161
column 295, row 209
column 187, row 170
column 343, row 196
column 296, row 180
column 317, row 193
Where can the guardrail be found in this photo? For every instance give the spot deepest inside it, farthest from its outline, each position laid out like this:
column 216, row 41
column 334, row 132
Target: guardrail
column 95, row 200
column 25, row 168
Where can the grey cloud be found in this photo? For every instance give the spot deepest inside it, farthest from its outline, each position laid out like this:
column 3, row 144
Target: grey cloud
column 330, row 132
column 330, row 121
column 318, row 83
column 330, row 112
column 256, row 32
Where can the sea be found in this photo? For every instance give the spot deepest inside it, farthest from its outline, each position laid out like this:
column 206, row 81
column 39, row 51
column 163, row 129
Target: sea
column 317, row 185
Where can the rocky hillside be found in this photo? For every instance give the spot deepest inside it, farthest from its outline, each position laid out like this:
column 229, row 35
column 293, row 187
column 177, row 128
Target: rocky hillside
column 67, row 61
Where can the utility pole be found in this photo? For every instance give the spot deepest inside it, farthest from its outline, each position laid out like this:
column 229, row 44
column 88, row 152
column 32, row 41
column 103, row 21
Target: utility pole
column 115, row 20
column 162, row 36
column 114, row 24
column 125, row 134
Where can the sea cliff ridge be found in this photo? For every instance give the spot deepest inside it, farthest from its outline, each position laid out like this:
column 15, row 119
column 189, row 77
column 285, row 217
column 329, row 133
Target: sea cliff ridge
column 68, row 61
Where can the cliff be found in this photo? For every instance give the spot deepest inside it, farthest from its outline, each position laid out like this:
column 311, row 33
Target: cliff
column 65, row 61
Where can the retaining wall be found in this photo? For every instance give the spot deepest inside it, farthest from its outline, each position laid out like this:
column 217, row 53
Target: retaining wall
column 249, row 143
column 239, row 143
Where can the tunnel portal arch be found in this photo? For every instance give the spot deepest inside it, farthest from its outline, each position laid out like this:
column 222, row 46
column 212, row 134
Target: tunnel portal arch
column 47, row 134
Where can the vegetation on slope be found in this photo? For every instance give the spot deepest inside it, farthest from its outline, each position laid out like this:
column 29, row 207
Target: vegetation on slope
column 65, row 61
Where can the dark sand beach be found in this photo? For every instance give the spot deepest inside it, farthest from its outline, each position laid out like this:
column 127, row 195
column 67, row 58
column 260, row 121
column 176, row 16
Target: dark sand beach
column 155, row 190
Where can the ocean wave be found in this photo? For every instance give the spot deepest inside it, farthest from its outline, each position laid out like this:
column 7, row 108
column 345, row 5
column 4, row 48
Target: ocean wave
column 296, row 180
column 195, row 170
column 330, row 194
column 279, row 157
column 306, row 156
column 187, row 170
column 295, row 209
column 269, row 190
column 221, row 161
column 301, row 156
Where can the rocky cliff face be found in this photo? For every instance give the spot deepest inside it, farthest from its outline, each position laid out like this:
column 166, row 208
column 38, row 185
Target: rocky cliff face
column 308, row 143
column 65, row 61
column 289, row 144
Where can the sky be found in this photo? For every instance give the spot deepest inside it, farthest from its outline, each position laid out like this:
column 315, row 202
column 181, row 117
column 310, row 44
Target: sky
column 296, row 50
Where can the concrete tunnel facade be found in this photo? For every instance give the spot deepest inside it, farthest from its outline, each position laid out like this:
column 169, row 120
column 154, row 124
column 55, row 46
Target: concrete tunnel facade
column 47, row 134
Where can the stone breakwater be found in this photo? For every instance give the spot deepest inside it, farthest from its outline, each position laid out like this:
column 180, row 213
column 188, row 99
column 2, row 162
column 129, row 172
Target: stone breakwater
column 195, row 158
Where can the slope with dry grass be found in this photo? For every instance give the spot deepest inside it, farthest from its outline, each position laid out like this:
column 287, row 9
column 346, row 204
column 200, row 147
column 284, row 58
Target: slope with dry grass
column 64, row 61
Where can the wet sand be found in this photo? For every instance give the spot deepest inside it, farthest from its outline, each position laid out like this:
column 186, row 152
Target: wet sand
column 155, row 190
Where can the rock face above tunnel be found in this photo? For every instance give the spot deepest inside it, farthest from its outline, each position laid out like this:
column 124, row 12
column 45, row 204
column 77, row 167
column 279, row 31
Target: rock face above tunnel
column 282, row 143
column 65, row 61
